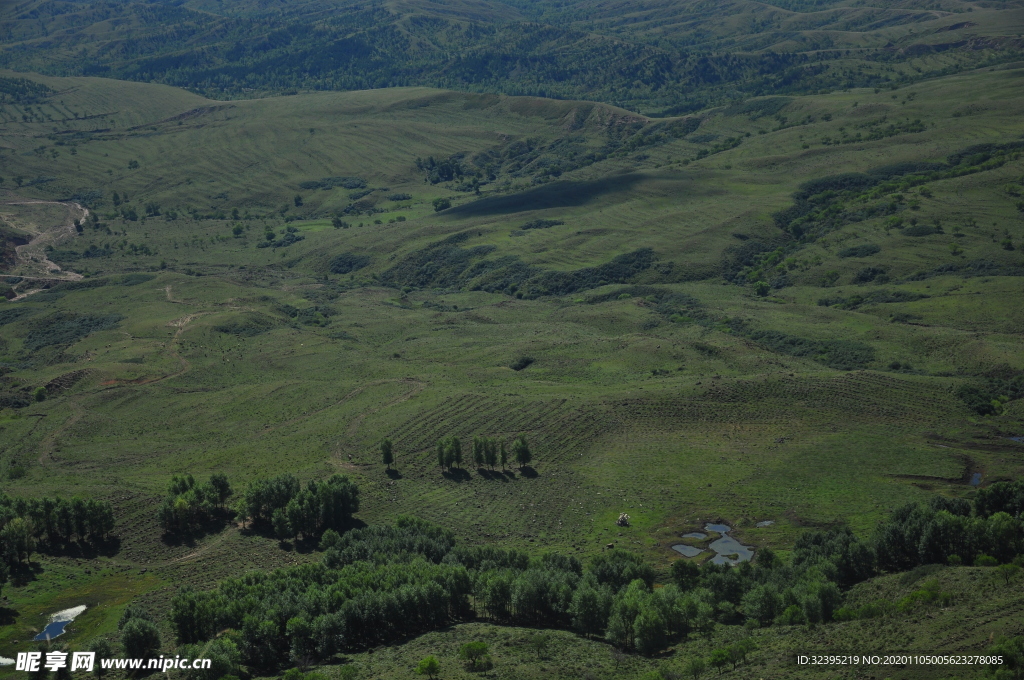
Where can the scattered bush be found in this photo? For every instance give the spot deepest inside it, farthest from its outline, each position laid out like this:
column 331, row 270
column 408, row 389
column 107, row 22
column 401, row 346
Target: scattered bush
column 331, row 182
column 289, row 238
column 346, row 263
column 521, row 363
column 247, row 325
column 921, row 230
column 541, row 224
column 67, row 328
column 869, row 274
column 845, row 355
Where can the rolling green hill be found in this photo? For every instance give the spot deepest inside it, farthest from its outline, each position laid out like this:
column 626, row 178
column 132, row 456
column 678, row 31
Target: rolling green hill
column 801, row 309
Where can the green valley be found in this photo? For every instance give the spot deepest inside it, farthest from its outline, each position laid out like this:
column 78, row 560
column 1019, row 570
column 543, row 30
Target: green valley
column 786, row 305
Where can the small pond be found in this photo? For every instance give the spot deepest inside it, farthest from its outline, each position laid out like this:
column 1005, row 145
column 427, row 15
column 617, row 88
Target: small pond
column 976, row 479
column 687, row 550
column 765, row 523
column 730, row 551
column 58, row 622
column 52, row 630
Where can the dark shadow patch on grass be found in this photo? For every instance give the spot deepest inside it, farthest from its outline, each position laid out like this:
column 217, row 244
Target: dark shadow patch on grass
column 22, row 574
column 302, row 545
column 457, row 475
column 85, row 550
column 492, row 475
column 528, row 472
column 393, row 474
column 215, row 525
column 560, row 194
column 521, row 363
column 8, row 616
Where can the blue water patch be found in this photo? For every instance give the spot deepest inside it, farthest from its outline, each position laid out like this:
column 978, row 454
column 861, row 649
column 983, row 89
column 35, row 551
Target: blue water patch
column 976, row 479
column 728, row 549
column 687, row 550
column 52, row 630
column 727, row 546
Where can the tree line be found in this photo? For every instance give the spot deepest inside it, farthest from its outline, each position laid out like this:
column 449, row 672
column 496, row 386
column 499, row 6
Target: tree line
column 31, row 524
column 279, row 503
column 293, row 511
column 379, row 584
column 487, row 451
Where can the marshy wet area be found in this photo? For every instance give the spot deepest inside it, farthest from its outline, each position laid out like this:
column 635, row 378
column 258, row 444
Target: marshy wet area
column 728, row 550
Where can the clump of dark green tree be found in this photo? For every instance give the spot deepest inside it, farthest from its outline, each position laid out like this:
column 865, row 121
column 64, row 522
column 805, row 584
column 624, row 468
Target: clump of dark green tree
column 49, row 524
column 489, row 451
column 190, row 505
column 449, row 453
column 954, row 531
column 988, row 395
column 290, row 510
column 140, row 638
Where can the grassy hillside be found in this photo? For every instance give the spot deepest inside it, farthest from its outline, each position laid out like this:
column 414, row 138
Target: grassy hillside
column 699, row 354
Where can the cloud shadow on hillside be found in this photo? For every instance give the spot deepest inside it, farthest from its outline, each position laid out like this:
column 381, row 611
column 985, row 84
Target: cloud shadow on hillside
column 561, row 194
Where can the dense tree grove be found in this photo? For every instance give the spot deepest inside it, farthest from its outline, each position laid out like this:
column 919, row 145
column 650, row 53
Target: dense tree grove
column 27, row 524
column 188, row 505
column 954, row 530
column 293, row 511
column 382, row 583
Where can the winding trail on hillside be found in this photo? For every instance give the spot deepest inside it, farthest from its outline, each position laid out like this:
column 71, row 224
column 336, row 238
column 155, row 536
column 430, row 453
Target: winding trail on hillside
column 198, row 552
column 185, row 365
column 50, row 236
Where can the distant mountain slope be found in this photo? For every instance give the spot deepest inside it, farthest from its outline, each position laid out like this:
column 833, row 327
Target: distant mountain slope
column 662, row 55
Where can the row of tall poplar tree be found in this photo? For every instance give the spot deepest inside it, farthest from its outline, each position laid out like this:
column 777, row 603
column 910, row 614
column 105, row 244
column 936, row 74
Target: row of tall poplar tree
column 489, row 451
